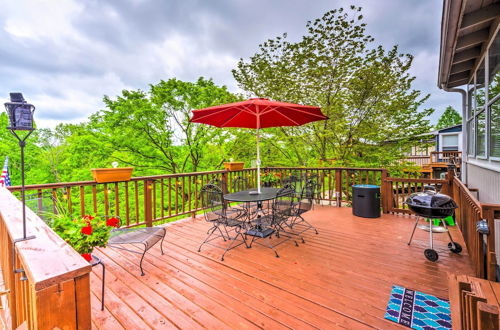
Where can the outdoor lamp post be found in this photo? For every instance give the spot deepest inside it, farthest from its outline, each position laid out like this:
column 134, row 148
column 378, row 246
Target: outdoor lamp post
column 21, row 119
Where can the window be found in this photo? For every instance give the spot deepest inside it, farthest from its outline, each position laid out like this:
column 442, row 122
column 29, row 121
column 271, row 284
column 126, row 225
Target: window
column 450, row 142
column 495, row 129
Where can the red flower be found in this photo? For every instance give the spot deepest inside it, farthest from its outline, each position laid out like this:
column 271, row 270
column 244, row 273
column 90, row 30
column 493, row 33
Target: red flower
column 87, row 256
column 88, row 217
column 112, row 222
column 87, row 230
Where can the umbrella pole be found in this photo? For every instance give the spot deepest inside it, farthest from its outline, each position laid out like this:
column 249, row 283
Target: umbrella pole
column 258, row 163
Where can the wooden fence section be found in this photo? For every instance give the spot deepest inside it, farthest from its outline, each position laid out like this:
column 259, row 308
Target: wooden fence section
column 418, row 160
column 454, row 157
column 149, row 199
column 470, row 211
column 335, row 182
column 445, row 157
column 53, row 289
column 140, row 201
column 397, row 191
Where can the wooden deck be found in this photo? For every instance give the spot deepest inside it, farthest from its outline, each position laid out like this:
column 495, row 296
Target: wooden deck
column 340, row 278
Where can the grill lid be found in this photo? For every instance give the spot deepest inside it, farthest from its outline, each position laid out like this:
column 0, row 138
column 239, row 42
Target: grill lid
column 431, row 200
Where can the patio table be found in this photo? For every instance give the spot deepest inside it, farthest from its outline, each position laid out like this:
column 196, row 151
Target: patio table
column 249, row 196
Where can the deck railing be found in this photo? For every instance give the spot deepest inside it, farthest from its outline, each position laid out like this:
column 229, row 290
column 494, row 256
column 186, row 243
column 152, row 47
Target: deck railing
column 150, row 199
column 140, row 201
column 470, row 211
column 45, row 282
column 418, row 160
column 397, row 191
column 335, row 182
column 454, row 157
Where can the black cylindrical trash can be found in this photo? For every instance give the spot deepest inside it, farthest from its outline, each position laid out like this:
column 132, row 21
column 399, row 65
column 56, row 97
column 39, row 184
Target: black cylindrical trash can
column 366, row 200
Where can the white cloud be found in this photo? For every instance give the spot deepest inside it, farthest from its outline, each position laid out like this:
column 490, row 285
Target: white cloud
column 41, row 19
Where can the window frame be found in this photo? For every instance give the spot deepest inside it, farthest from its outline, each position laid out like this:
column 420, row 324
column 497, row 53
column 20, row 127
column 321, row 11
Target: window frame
column 473, row 111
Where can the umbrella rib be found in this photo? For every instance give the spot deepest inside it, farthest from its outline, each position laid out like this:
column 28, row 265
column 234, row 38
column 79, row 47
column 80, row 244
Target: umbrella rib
column 297, row 124
column 231, row 118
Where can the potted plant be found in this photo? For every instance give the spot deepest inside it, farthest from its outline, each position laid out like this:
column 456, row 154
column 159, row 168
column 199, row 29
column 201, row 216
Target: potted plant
column 269, row 178
column 113, row 174
column 84, row 233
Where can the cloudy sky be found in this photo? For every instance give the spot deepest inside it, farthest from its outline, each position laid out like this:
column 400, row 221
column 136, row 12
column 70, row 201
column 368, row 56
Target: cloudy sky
column 64, row 55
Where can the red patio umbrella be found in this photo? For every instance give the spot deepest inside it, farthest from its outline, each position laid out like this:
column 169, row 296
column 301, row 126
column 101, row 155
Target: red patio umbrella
column 258, row 113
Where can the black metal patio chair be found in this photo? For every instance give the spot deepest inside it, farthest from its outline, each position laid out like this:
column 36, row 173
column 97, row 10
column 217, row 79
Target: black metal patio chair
column 221, row 217
column 304, row 204
column 272, row 224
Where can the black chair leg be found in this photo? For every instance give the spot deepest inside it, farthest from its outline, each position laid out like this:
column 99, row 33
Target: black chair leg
column 142, row 258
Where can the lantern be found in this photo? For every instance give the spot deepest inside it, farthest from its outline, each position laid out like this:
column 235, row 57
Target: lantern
column 20, row 113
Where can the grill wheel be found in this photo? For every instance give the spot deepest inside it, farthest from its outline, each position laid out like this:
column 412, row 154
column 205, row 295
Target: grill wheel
column 431, row 255
column 455, row 247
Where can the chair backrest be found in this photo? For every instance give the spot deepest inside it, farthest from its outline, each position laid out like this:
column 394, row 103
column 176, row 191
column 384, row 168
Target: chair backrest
column 212, row 201
column 309, row 193
column 283, row 203
column 240, row 183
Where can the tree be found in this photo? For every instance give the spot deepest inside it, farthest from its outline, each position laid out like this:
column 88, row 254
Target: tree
column 450, row 117
column 151, row 130
column 365, row 91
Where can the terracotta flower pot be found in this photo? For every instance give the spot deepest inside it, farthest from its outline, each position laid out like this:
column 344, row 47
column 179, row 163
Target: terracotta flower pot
column 101, row 175
column 234, row 166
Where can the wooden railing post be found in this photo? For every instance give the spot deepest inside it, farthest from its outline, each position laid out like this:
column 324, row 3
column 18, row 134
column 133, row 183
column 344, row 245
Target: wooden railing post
column 224, row 182
column 338, row 186
column 384, row 191
column 450, row 174
column 148, row 203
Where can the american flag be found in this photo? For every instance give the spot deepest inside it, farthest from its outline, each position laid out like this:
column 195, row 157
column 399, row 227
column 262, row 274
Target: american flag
column 5, row 178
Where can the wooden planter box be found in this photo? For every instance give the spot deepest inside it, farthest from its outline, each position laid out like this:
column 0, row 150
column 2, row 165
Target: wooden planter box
column 101, row 175
column 233, row 166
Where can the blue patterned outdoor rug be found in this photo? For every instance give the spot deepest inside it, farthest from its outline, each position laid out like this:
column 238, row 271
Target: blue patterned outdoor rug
column 418, row 310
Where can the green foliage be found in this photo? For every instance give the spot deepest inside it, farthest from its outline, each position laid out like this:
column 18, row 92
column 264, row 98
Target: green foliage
column 364, row 90
column 84, row 233
column 450, row 117
column 163, row 138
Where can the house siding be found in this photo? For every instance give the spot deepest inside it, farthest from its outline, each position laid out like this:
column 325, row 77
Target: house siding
column 486, row 180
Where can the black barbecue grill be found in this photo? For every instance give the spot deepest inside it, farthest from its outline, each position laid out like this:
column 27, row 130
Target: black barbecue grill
column 432, row 205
